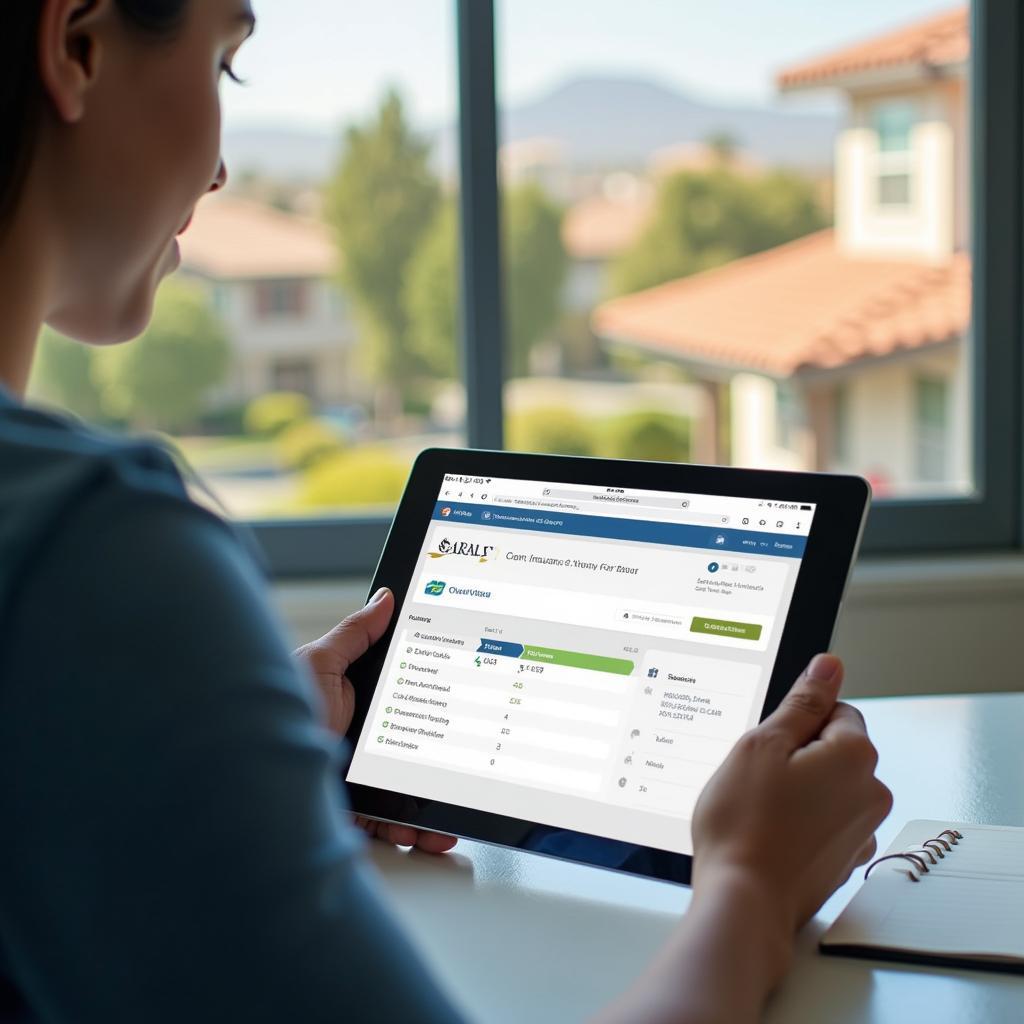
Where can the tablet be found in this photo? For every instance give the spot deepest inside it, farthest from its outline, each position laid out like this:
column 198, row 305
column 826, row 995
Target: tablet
column 578, row 643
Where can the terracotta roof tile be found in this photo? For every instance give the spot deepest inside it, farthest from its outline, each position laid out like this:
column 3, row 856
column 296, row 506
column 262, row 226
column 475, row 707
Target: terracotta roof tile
column 234, row 238
column 934, row 42
column 599, row 228
column 798, row 306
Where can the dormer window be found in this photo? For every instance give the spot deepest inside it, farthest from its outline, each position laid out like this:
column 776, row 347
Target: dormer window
column 894, row 124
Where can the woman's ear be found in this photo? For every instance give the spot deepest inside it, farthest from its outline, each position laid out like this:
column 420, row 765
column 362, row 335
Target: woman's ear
column 70, row 52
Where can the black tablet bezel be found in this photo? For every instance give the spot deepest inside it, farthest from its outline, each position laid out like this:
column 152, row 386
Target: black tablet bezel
column 841, row 511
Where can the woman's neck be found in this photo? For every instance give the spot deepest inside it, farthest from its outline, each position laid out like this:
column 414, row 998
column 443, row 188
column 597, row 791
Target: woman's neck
column 23, row 290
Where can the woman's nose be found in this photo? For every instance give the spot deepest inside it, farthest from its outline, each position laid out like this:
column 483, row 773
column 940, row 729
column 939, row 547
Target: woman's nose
column 221, row 178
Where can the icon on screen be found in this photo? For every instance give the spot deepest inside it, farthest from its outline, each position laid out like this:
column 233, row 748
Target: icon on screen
column 485, row 515
column 446, row 512
column 720, row 539
column 746, row 521
column 713, row 567
column 652, row 673
column 779, row 524
column 435, row 588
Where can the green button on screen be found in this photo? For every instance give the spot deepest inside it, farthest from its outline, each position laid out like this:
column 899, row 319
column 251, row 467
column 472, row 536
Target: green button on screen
column 722, row 627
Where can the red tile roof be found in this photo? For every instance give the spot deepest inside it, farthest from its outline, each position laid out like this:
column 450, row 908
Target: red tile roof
column 235, row 238
column 934, row 42
column 796, row 307
column 599, row 228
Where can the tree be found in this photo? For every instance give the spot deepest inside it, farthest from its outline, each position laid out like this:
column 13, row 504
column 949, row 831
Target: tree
column 380, row 202
column 62, row 375
column 535, row 265
column 535, row 268
column 163, row 378
column 703, row 219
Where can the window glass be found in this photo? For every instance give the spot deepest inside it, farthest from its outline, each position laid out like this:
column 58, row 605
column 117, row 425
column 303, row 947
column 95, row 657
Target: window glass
column 318, row 291
column 738, row 245
column 893, row 123
column 932, row 413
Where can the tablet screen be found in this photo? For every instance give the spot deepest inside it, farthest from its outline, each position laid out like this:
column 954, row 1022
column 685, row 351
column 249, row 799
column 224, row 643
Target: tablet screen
column 583, row 657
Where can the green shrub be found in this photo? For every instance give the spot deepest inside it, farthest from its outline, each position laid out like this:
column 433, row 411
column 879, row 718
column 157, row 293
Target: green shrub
column 224, row 420
column 553, row 429
column 651, row 436
column 306, row 442
column 362, row 476
column 269, row 414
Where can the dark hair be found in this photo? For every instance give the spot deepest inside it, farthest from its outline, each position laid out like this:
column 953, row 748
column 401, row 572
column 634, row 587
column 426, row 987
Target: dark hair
column 21, row 93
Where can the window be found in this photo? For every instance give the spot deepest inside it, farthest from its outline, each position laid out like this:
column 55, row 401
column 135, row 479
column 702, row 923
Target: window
column 298, row 375
column 893, row 123
column 701, row 258
column 276, row 299
column 931, row 420
column 646, row 155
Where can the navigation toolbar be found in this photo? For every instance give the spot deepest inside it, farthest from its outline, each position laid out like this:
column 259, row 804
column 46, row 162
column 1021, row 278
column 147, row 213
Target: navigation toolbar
column 645, row 531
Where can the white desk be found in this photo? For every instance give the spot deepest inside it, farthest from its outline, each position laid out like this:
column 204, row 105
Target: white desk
column 517, row 937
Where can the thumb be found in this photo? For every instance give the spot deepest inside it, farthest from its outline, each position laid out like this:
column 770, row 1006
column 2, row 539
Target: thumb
column 352, row 637
column 807, row 707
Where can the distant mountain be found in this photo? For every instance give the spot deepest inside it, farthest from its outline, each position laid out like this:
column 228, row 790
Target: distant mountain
column 284, row 153
column 610, row 120
column 600, row 121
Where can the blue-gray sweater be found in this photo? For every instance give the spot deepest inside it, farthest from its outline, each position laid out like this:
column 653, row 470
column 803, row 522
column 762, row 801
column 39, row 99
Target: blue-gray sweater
column 173, row 835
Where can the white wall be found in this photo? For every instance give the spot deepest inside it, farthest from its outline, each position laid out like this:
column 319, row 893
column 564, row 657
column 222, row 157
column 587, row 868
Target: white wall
column 755, row 418
column 929, row 626
column 882, row 418
column 927, row 228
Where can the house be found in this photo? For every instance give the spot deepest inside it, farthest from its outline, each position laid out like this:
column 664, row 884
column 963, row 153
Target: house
column 270, row 277
column 596, row 230
column 847, row 349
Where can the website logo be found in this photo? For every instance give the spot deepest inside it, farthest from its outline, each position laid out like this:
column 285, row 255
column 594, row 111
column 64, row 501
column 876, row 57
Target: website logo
column 435, row 588
column 446, row 512
column 464, row 549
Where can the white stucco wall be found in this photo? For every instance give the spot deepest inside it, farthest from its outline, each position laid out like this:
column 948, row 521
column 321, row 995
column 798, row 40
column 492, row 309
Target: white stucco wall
column 934, row 222
column 882, row 419
column 881, row 423
column 755, row 427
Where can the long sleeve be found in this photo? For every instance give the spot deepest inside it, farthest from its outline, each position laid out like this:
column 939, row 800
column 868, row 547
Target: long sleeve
column 174, row 838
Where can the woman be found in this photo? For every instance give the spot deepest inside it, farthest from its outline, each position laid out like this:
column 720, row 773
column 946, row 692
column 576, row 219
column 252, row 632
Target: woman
column 175, row 845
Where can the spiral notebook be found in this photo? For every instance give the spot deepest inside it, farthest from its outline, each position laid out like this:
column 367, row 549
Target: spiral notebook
column 945, row 894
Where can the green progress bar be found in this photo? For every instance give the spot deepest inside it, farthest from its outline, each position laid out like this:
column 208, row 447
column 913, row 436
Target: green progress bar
column 574, row 659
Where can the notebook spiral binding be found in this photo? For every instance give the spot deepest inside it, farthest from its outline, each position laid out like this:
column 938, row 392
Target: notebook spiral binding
column 934, row 849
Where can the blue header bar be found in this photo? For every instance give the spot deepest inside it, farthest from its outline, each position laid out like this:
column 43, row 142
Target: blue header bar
column 643, row 531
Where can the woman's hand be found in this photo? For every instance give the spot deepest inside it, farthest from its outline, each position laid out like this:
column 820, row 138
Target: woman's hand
column 795, row 806
column 793, row 809
column 779, row 827
column 329, row 659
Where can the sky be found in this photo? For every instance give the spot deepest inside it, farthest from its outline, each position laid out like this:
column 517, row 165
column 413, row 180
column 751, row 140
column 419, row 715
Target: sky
column 320, row 63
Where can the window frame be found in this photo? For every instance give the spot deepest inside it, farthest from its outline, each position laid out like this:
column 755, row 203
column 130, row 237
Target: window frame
column 990, row 519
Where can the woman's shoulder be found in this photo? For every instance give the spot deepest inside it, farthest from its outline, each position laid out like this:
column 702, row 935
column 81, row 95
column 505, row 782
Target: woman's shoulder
column 47, row 458
column 53, row 466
